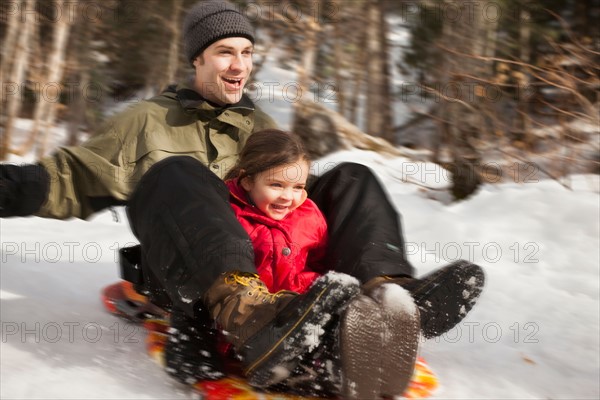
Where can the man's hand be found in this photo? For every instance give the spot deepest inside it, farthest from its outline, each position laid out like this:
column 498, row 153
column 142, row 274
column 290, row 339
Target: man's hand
column 5, row 195
column 7, row 190
column 23, row 189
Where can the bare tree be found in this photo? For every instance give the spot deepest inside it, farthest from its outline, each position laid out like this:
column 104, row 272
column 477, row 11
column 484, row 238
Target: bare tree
column 339, row 64
column 81, row 64
column 21, row 54
column 349, row 55
column 175, row 28
column 45, row 113
column 461, row 109
column 9, row 44
column 378, row 110
column 523, row 125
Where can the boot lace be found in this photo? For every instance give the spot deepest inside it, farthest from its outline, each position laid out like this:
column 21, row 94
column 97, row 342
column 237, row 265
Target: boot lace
column 256, row 287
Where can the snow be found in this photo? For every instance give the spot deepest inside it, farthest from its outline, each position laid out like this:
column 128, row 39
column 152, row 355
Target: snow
column 313, row 333
column 533, row 334
column 280, row 373
column 395, row 299
column 343, row 279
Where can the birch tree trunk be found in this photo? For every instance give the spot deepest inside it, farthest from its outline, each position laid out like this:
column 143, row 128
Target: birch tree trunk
column 37, row 72
column 17, row 77
column 56, row 65
column 9, row 44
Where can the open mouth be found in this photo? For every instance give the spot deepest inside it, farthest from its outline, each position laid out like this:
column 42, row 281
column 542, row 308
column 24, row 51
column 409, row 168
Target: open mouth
column 277, row 207
column 233, row 83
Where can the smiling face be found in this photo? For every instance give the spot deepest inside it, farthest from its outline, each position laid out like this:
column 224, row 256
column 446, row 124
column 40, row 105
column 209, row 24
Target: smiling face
column 223, row 69
column 280, row 190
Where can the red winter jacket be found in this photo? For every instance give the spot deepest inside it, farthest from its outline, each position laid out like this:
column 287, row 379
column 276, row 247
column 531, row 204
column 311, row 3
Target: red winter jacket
column 286, row 252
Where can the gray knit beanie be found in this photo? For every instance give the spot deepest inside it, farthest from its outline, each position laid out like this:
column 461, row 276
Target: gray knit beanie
column 209, row 21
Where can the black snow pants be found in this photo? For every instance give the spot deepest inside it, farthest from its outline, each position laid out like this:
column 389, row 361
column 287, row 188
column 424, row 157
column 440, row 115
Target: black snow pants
column 189, row 234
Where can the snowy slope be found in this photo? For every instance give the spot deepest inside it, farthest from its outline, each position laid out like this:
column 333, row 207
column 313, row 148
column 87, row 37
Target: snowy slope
column 534, row 333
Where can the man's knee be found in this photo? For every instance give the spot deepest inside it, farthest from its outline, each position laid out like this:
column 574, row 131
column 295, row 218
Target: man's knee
column 351, row 172
column 179, row 166
column 180, row 174
column 354, row 169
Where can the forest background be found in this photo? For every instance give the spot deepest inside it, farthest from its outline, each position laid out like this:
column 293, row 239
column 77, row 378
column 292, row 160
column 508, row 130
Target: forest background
column 489, row 90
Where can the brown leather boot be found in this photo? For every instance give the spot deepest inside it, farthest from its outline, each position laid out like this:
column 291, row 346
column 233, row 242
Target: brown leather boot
column 270, row 331
column 444, row 296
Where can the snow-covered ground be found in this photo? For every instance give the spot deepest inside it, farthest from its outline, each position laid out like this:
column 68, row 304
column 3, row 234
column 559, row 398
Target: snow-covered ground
column 534, row 333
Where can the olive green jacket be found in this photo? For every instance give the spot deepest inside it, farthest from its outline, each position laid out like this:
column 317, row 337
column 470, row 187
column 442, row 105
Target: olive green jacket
column 104, row 170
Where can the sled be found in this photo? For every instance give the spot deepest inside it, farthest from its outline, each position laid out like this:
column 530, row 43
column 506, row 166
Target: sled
column 422, row 385
column 120, row 299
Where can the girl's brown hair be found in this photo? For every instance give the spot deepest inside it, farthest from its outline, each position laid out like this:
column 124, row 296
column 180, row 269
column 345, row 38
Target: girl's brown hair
column 268, row 149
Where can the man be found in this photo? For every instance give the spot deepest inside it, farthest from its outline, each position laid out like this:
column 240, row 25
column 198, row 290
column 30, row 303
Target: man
column 164, row 158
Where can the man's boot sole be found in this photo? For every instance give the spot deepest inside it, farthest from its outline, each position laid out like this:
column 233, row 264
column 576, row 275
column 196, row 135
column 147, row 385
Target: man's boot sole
column 275, row 350
column 445, row 296
column 361, row 346
column 402, row 337
column 378, row 349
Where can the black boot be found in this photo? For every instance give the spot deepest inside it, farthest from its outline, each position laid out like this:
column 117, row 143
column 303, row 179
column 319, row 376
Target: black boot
column 318, row 373
column 191, row 353
column 444, row 296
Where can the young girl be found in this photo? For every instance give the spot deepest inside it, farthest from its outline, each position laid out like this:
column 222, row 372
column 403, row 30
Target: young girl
column 289, row 238
column 268, row 196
